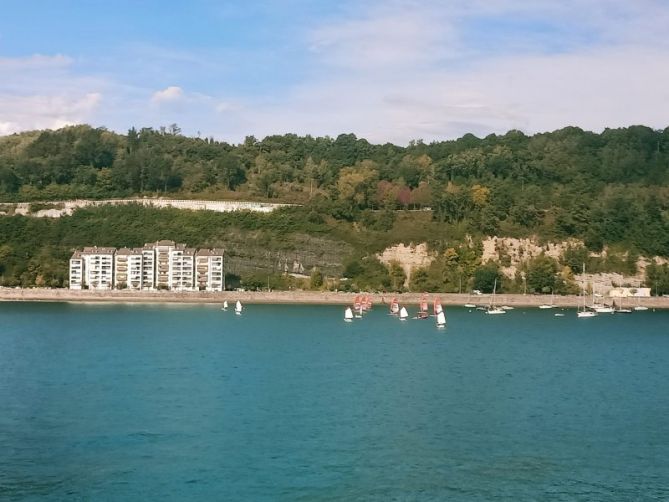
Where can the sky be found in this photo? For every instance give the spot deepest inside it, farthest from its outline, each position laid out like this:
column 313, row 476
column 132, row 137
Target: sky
column 387, row 70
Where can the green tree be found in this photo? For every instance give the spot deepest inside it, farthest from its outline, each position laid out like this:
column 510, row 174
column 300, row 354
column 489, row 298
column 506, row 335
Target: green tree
column 486, row 276
column 541, row 274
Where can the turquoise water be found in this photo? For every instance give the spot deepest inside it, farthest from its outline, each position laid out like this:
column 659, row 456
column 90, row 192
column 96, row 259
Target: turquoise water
column 102, row 402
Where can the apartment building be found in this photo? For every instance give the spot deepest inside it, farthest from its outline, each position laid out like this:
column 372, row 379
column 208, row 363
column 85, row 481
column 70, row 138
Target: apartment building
column 161, row 265
column 209, row 269
column 148, row 267
column 182, row 268
column 128, row 268
column 98, row 267
column 76, row 270
column 162, row 251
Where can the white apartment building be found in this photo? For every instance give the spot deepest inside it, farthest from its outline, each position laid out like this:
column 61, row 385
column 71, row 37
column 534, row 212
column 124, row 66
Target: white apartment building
column 209, row 270
column 76, row 271
column 162, row 251
column 182, row 268
column 162, row 265
column 121, row 268
column 148, row 267
column 98, row 270
column 128, row 269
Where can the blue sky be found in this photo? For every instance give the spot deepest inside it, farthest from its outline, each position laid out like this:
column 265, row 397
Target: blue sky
column 391, row 70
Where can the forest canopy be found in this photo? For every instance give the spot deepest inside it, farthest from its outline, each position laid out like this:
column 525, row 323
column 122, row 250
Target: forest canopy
column 606, row 189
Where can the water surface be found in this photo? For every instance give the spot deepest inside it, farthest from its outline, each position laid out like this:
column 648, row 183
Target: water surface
column 129, row 402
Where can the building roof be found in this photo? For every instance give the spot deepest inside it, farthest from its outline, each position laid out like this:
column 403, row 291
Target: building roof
column 190, row 251
column 76, row 255
column 211, row 252
column 97, row 250
column 124, row 251
column 165, row 243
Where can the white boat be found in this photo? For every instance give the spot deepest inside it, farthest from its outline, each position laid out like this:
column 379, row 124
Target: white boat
column 441, row 320
column 558, row 315
column 604, row 309
column 404, row 315
column 585, row 312
column 493, row 309
column 548, row 306
column 638, row 306
column 507, row 307
column 238, row 308
column 470, row 305
column 225, row 305
column 436, row 306
column 348, row 315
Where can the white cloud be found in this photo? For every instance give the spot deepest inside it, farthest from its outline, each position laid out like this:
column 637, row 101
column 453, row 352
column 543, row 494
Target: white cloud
column 46, row 112
column 386, row 76
column 34, row 62
column 171, row 93
column 389, row 71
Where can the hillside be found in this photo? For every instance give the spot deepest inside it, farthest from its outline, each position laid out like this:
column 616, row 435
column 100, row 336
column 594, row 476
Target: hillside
column 608, row 192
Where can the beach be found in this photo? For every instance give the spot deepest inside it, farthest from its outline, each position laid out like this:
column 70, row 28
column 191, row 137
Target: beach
column 297, row 297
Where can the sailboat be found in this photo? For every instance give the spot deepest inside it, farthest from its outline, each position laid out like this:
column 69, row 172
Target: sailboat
column 357, row 307
column 469, row 303
column 225, row 305
column 348, row 315
column 238, row 308
column 394, row 307
column 493, row 309
column 404, row 315
column 422, row 308
column 546, row 306
column 436, row 306
column 441, row 320
column 639, row 307
column 620, row 309
column 585, row 312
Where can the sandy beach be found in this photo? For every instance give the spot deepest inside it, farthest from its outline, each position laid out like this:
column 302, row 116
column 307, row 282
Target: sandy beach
column 287, row 297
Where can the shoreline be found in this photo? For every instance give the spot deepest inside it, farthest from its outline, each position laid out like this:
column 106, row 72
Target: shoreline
column 296, row 297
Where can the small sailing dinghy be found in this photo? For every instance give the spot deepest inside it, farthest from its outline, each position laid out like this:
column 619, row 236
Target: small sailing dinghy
column 225, row 305
column 441, row 320
column 436, row 307
column 238, row 308
column 423, row 313
column 394, row 307
column 348, row 315
column 404, row 315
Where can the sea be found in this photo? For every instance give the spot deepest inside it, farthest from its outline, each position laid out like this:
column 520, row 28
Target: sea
column 290, row 403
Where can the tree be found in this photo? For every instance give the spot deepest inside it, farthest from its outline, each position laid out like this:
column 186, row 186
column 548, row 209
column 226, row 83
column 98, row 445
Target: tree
column 486, row 276
column 316, row 278
column 541, row 274
column 397, row 276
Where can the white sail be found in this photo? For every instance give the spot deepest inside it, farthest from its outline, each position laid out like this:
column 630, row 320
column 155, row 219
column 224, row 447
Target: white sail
column 403, row 314
column 441, row 319
column 225, row 305
column 348, row 314
column 238, row 308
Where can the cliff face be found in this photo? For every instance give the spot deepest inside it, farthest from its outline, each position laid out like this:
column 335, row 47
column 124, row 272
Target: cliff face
column 511, row 253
